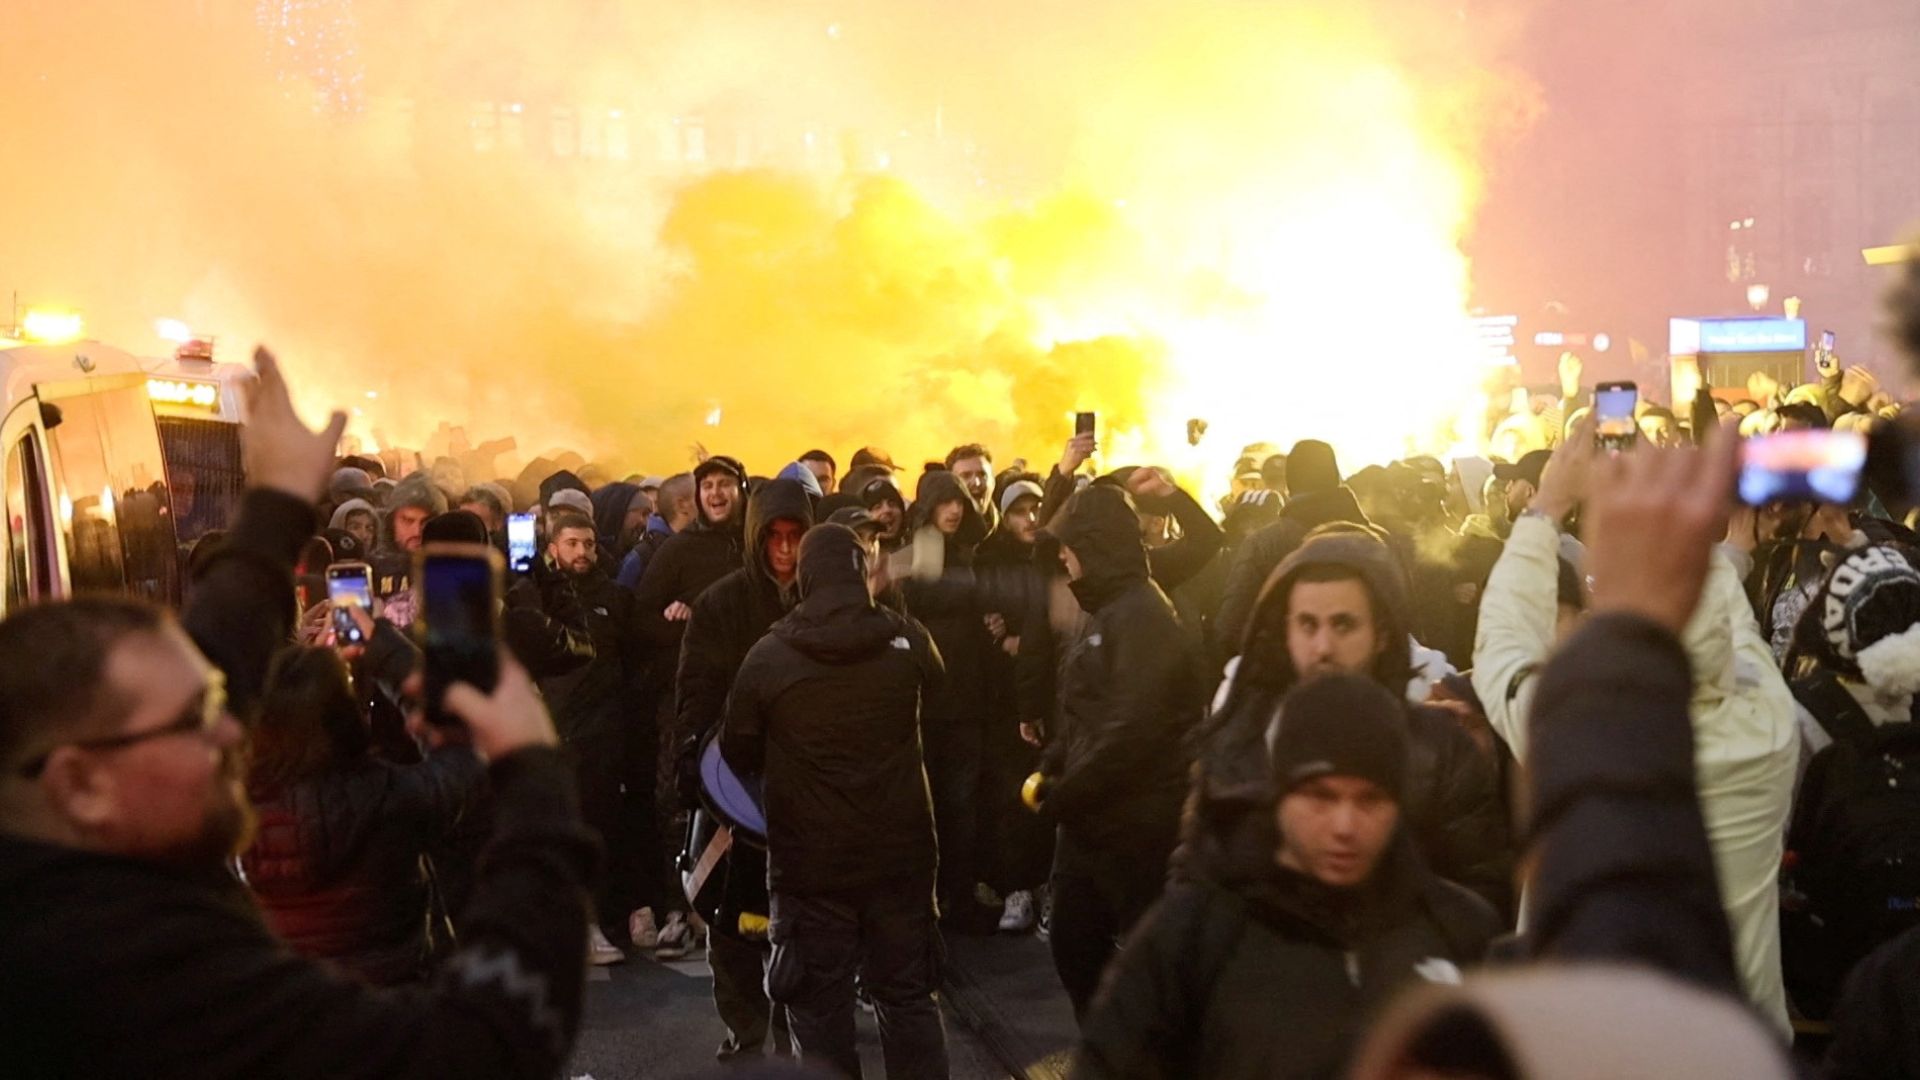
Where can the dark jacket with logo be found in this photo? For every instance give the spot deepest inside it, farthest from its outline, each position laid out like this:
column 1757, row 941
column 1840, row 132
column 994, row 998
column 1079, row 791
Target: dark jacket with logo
column 338, row 860
column 1277, row 977
column 827, row 709
column 1452, row 807
column 1129, row 691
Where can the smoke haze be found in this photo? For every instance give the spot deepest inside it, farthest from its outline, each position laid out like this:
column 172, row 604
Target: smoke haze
column 625, row 227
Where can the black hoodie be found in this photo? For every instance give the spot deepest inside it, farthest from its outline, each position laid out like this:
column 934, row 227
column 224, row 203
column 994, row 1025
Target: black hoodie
column 953, row 616
column 1130, row 693
column 1452, row 806
column 827, row 708
column 732, row 614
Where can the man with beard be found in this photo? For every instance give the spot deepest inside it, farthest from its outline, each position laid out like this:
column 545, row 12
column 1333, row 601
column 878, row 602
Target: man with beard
column 408, row 508
column 1339, row 605
column 725, row 622
column 130, row 950
column 591, row 707
column 827, row 710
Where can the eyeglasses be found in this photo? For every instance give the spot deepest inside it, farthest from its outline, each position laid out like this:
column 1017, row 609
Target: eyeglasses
column 201, row 716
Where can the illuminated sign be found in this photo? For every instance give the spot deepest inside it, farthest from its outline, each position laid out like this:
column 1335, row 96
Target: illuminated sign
column 190, row 395
column 1494, row 336
column 1704, row 337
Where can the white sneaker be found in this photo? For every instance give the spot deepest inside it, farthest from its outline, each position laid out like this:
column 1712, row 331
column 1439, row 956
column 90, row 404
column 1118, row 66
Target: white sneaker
column 675, row 939
column 600, row 951
column 1018, row 916
column 1044, row 927
column 641, row 928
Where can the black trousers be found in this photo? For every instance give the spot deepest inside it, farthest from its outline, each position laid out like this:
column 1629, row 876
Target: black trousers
column 887, row 936
column 739, row 968
column 639, row 867
column 597, row 760
column 1097, row 897
column 1016, row 844
column 956, row 761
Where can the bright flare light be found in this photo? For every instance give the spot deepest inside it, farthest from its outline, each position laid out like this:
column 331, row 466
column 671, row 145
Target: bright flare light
column 173, row 330
column 48, row 327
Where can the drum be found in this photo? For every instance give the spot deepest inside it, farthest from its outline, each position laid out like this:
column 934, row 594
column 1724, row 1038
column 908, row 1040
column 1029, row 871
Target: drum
column 734, row 800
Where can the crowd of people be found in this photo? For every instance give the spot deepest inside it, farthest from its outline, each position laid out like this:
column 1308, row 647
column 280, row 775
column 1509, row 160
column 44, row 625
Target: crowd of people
column 1556, row 762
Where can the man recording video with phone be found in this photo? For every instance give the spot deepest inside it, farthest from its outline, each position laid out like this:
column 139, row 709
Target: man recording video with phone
column 128, row 946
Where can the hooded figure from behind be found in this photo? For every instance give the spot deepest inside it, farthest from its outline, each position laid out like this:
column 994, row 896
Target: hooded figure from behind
column 1452, row 806
column 1129, row 698
column 826, row 709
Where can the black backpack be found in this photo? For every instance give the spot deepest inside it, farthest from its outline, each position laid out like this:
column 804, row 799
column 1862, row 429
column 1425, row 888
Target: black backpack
column 1853, row 845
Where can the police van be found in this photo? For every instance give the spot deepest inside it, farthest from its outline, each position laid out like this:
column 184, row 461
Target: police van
column 109, row 465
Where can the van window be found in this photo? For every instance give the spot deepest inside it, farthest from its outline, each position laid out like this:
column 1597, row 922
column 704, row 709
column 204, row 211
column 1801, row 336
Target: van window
column 30, row 542
column 113, row 500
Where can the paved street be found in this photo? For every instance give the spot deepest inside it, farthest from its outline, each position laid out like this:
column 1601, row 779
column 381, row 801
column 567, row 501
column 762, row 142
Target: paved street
column 646, row 1019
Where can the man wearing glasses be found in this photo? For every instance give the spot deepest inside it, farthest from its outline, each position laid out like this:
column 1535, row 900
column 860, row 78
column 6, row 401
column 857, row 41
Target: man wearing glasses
column 127, row 948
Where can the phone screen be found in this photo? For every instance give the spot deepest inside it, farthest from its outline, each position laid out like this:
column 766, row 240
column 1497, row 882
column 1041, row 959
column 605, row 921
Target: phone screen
column 521, row 542
column 458, row 622
column 1613, row 405
column 1826, row 341
column 1817, row 465
column 1083, row 423
column 349, row 585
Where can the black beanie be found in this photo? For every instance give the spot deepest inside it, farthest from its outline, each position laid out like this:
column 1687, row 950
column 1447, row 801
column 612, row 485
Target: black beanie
column 1341, row 725
column 1311, row 468
column 454, row 527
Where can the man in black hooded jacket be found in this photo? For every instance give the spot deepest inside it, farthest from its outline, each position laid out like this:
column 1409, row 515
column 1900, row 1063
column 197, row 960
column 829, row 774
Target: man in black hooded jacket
column 1279, row 975
column 827, row 710
column 1129, row 695
column 727, row 619
column 1453, row 809
column 955, row 711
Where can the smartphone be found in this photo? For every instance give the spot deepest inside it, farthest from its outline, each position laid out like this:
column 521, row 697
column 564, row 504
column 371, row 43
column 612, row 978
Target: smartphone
column 1083, row 423
column 522, row 542
column 1817, row 465
column 1823, row 353
column 349, row 586
column 1614, row 427
column 458, row 620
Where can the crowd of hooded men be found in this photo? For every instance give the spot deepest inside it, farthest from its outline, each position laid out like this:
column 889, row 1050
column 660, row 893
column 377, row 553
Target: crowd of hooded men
column 1554, row 767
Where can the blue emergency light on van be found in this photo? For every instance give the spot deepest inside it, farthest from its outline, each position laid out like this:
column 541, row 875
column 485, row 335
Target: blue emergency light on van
column 1749, row 334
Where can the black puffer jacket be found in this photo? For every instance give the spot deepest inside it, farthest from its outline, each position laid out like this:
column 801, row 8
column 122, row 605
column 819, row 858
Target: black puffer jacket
column 827, row 708
column 337, row 863
column 733, row 614
column 1130, row 693
column 1452, row 806
column 1278, row 977
column 953, row 616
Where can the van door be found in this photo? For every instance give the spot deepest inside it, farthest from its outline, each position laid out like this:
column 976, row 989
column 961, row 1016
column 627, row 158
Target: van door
column 110, row 482
column 32, row 567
